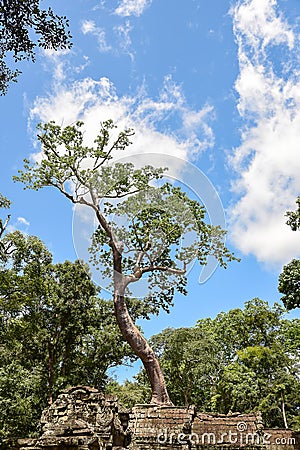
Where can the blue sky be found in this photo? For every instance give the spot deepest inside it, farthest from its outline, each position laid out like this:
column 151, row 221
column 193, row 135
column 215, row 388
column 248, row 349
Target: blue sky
column 214, row 83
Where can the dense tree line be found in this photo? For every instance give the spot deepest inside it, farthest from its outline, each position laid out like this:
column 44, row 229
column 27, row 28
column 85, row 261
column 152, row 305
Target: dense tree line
column 55, row 331
column 243, row 360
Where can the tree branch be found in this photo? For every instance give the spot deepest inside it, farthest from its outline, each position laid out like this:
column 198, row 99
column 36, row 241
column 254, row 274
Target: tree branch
column 138, row 272
column 106, row 157
column 74, row 170
column 124, row 194
column 165, row 269
column 3, row 226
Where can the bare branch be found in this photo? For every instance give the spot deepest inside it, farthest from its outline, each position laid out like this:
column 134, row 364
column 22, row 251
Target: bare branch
column 61, row 188
column 124, row 194
column 3, row 226
column 102, row 221
column 165, row 269
column 96, row 166
column 143, row 253
column 138, row 272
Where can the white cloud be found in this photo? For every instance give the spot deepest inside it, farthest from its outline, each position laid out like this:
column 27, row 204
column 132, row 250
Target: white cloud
column 57, row 62
column 95, row 101
column 81, row 67
column 121, row 39
column 123, row 32
column 23, row 221
column 50, row 53
column 267, row 161
column 89, row 27
column 260, row 24
column 20, row 224
column 132, row 7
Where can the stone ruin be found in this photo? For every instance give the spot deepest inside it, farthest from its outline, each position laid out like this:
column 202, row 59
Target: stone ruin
column 82, row 418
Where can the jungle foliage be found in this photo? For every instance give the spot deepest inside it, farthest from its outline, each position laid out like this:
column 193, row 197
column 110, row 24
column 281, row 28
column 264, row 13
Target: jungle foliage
column 243, row 360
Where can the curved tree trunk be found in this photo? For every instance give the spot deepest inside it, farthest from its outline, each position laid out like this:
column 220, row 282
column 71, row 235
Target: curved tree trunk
column 283, row 410
column 131, row 333
column 143, row 350
column 135, row 339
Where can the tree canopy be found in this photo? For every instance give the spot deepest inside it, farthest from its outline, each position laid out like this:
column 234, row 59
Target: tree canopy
column 23, row 27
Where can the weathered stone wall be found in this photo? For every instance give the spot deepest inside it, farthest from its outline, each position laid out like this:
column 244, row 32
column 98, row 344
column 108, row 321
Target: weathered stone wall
column 82, row 418
column 155, row 428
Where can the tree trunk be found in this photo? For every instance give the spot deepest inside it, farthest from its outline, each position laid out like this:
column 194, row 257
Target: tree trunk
column 142, row 349
column 131, row 333
column 283, row 410
column 50, row 374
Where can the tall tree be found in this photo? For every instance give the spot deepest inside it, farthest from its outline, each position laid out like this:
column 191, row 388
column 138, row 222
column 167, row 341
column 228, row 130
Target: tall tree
column 18, row 21
column 289, row 279
column 149, row 243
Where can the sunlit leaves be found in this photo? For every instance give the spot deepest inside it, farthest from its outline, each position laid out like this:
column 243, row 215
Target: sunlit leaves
column 289, row 279
column 50, row 317
column 289, row 284
column 76, row 169
column 294, row 217
column 242, row 360
column 4, row 202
